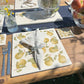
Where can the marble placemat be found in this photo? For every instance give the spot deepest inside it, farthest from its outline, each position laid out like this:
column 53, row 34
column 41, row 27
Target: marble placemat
column 35, row 17
column 65, row 33
column 53, row 55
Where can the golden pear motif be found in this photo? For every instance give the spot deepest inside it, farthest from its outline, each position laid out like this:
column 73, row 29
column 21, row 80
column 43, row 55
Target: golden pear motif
column 33, row 62
column 53, row 49
column 61, row 58
column 46, row 40
column 49, row 33
column 21, row 63
column 20, row 36
column 19, row 54
column 21, row 46
column 2, row 37
column 54, row 40
column 48, row 61
column 44, row 49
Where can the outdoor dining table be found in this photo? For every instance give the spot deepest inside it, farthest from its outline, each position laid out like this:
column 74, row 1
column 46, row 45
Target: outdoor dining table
column 74, row 48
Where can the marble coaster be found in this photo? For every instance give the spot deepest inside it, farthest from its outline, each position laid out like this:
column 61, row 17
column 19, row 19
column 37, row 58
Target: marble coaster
column 2, row 39
column 34, row 17
column 65, row 33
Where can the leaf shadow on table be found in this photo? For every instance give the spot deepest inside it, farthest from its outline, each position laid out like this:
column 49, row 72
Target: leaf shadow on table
column 78, row 47
column 61, row 72
column 79, row 35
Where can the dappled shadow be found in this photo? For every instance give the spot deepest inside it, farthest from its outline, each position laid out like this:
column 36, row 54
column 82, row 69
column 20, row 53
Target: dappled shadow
column 75, row 39
column 76, row 30
column 67, row 70
column 79, row 35
column 77, row 65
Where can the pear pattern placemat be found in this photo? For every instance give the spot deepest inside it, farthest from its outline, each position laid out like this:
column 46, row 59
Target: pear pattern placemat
column 52, row 55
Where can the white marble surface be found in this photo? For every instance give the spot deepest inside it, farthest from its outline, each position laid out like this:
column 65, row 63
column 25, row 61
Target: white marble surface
column 35, row 17
column 44, row 54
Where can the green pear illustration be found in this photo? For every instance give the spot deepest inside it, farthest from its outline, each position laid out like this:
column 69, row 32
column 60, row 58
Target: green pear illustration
column 2, row 37
column 61, row 58
column 20, row 36
column 44, row 49
column 53, row 49
column 48, row 61
column 49, row 33
column 21, row 63
column 46, row 40
column 33, row 62
column 19, row 54
column 21, row 46
column 54, row 40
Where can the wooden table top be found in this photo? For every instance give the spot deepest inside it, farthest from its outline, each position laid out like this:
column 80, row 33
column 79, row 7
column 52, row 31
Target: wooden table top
column 75, row 49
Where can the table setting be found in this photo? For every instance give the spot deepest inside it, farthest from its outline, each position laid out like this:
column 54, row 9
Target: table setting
column 17, row 37
column 45, row 53
column 36, row 44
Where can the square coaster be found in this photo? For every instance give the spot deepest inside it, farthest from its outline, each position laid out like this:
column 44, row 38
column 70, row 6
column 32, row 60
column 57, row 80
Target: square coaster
column 2, row 39
column 65, row 33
